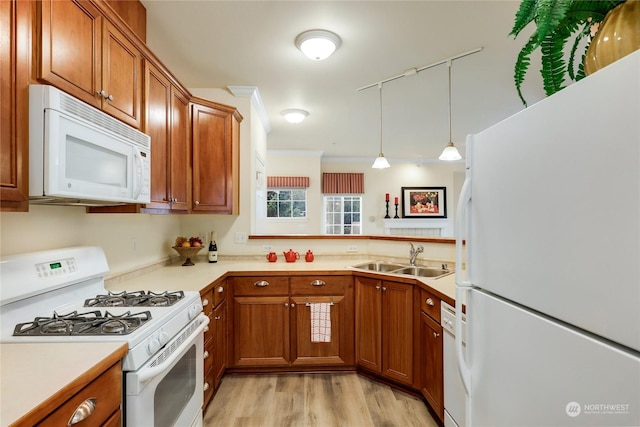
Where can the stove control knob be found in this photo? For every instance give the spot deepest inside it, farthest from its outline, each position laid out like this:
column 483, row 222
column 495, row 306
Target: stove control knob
column 194, row 311
column 153, row 346
column 163, row 337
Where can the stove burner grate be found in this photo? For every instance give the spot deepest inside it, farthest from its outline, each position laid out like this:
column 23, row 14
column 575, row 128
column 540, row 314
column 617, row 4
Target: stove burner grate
column 90, row 323
column 135, row 299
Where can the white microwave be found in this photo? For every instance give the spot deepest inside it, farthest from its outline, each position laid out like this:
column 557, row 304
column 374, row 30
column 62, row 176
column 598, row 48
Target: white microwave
column 78, row 155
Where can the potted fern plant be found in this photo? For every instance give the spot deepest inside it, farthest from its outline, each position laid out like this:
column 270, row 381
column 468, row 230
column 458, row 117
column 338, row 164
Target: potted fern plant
column 557, row 22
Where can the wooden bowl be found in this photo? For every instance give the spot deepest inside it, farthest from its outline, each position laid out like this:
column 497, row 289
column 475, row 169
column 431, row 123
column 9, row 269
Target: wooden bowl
column 188, row 253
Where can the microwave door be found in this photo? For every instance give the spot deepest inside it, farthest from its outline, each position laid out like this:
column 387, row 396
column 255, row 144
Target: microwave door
column 85, row 162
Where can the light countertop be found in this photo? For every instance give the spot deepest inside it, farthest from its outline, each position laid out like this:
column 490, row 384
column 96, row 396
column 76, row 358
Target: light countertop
column 200, row 275
column 33, row 375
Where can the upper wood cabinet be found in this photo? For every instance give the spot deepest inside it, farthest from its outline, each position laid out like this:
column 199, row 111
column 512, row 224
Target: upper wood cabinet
column 166, row 121
column 14, row 144
column 84, row 54
column 215, row 134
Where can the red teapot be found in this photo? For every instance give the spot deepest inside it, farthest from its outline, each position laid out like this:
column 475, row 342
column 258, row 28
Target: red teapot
column 272, row 257
column 309, row 256
column 291, row 256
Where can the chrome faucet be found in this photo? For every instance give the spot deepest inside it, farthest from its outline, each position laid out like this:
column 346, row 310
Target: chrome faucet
column 413, row 253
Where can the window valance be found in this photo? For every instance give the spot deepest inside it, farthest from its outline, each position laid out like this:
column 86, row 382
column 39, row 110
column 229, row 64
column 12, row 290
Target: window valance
column 343, row 183
column 287, row 181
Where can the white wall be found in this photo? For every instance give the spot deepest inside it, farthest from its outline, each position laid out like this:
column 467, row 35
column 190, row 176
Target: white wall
column 377, row 182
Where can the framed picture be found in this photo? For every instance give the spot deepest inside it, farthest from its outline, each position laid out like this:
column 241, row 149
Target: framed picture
column 424, row 202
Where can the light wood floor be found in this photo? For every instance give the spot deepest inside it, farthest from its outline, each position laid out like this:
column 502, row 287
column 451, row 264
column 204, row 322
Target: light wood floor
column 312, row 400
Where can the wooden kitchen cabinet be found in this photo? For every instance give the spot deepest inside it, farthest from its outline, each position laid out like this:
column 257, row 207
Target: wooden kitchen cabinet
column 336, row 290
column 215, row 136
column 214, row 302
column 166, row 121
column 260, row 321
column 85, row 55
column 384, row 328
column 14, row 143
column 430, row 360
column 106, row 390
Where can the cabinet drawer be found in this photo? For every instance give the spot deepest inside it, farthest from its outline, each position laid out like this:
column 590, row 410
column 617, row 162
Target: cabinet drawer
column 260, row 285
column 107, row 392
column 219, row 293
column 318, row 285
column 207, row 302
column 430, row 304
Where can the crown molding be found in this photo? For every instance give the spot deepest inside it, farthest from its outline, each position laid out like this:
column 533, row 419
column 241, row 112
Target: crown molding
column 256, row 100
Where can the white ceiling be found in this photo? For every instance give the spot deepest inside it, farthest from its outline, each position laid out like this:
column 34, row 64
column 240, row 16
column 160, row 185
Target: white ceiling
column 251, row 43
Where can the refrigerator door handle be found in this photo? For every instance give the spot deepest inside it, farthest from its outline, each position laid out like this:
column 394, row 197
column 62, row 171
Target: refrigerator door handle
column 462, row 286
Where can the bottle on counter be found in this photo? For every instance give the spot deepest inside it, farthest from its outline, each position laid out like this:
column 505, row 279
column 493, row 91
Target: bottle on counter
column 213, row 248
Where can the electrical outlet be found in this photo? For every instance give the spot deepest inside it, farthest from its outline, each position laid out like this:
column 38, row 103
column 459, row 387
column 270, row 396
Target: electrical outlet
column 203, row 236
column 352, row 249
column 241, row 237
column 267, row 248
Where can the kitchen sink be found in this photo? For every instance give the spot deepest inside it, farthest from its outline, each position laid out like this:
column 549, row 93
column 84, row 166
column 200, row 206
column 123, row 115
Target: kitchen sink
column 422, row 271
column 384, row 267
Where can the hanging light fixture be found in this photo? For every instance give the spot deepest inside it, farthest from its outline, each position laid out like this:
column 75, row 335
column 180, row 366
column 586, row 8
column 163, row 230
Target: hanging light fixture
column 450, row 152
column 380, row 162
column 318, row 44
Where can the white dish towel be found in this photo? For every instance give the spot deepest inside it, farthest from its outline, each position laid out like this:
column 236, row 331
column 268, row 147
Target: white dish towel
column 320, row 322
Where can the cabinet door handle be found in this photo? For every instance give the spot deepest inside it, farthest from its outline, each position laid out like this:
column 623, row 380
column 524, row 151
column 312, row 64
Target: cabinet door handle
column 83, row 411
column 217, row 318
column 205, row 302
column 220, row 289
column 377, row 287
column 384, row 288
column 429, row 301
column 318, row 282
column 110, row 97
column 205, row 387
column 436, row 335
column 293, row 305
column 196, row 203
column 102, row 93
column 286, row 304
column 261, row 283
column 206, row 328
column 205, row 354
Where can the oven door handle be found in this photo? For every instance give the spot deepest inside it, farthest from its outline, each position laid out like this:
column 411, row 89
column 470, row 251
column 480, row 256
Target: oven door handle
column 150, row 373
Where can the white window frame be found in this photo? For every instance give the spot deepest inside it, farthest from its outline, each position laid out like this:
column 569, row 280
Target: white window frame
column 325, row 215
column 291, row 217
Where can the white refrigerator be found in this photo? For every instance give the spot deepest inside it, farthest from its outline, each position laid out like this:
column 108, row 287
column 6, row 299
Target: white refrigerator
column 550, row 212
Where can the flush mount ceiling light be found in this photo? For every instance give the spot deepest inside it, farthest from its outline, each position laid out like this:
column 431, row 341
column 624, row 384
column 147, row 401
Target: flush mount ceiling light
column 318, row 44
column 381, row 162
column 294, row 116
column 450, row 152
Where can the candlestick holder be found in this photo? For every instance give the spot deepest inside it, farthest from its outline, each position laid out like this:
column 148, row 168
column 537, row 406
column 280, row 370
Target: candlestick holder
column 387, row 215
column 395, row 217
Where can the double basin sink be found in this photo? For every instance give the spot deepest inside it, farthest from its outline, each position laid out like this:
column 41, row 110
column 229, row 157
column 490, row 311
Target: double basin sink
column 409, row 270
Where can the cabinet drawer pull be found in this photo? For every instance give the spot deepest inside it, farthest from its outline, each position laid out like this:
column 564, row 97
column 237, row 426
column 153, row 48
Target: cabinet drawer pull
column 205, row 302
column 318, row 282
column 261, row 283
column 220, row 289
column 83, row 411
column 429, row 301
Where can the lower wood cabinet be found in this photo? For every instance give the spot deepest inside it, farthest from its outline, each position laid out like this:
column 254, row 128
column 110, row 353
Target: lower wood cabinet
column 214, row 302
column 106, row 394
column 272, row 322
column 430, row 359
column 384, row 328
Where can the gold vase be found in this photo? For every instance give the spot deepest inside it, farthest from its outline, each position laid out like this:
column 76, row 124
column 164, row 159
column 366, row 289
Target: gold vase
column 617, row 36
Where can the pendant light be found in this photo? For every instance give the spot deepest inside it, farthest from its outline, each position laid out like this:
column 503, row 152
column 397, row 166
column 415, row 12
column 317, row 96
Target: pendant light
column 380, row 162
column 450, row 152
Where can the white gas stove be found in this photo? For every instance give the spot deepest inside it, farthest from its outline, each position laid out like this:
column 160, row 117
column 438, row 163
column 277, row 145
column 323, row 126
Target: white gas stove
column 59, row 296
